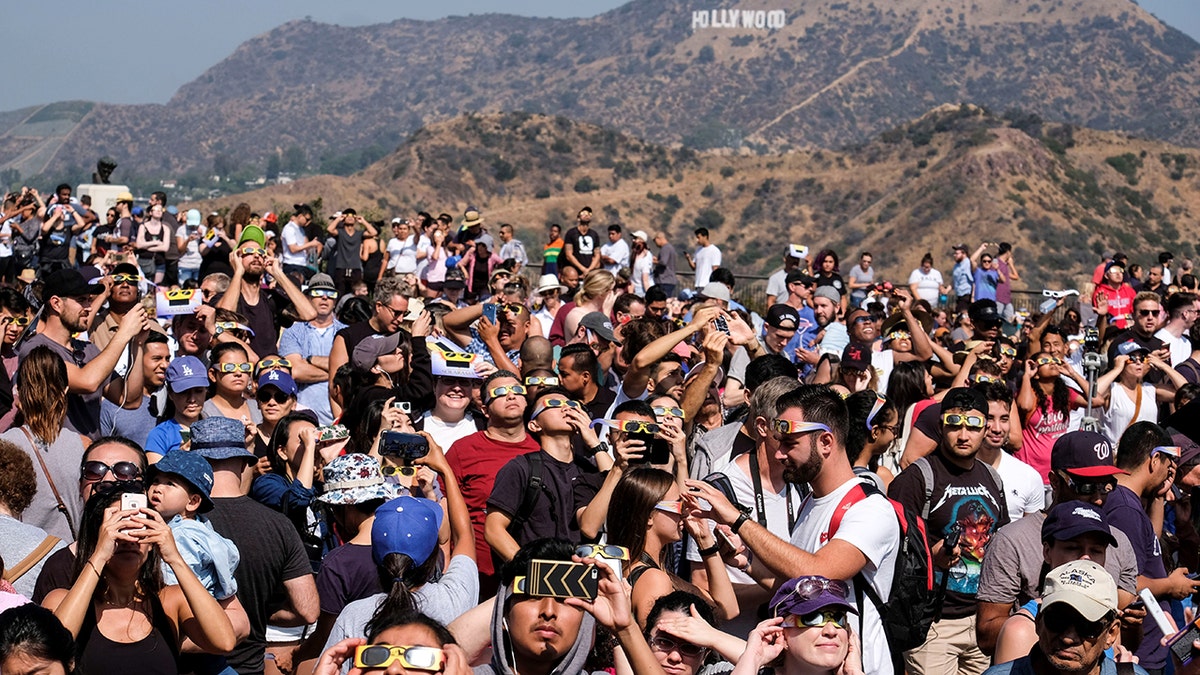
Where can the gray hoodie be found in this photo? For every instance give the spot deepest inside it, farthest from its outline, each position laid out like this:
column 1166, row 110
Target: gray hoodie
column 571, row 663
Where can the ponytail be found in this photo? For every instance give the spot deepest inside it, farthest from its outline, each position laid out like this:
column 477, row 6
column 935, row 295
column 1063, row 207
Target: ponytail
column 400, row 575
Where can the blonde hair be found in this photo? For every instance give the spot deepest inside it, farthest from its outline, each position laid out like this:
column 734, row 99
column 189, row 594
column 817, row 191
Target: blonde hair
column 595, row 284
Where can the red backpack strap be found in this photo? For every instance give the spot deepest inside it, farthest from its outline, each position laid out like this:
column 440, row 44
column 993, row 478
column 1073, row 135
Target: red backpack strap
column 854, row 496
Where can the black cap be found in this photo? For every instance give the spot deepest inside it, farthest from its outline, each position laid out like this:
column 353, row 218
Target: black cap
column 984, row 312
column 783, row 317
column 965, row 398
column 1085, row 454
column 127, row 268
column 302, row 209
column 455, row 278
column 856, row 357
column 67, row 283
column 798, row 276
column 1068, row 520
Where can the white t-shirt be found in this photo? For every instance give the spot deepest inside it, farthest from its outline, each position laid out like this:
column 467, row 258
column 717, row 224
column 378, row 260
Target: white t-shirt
column 6, row 250
column 394, row 246
column 618, row 251
column 643, row 268
column 870, row 526
column 1023, row 488
column 444, row 434
column 190, row 260
column 929, row 286
column 706, row 258
column 293, row 235
column 1181, row 347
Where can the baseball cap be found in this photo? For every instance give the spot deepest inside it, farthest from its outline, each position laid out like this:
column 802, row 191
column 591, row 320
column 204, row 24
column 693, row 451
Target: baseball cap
column 281, row 380
column 253, row 233
column 407, row 525
column 192, row 468
column 1085, row 454
column 1082, row 585
column 783, row 317
column 983, row 312
column 67, row 283
column 193, row 217
column 829, row 293
column 965, row 398
column 716, row 290
column 807, row 594
column 856, row 357
column 1129, row 347
column 216, row 438
column 798, row 276
column 455, row 278
column 125, row 197
column 599, row 324
column 270, row 217
column 127, row 268
column 1071, row 519
column 640, row 234
column 372, row 347
column 186, row 372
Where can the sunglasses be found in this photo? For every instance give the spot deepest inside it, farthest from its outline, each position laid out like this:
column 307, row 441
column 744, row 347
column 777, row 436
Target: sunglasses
column 675, row 507
column 610, row 551
column 1088, row 488
column 264, row 395
column 254, row 251
column 1010, row 352
column 233, row 367
column 955, row 420
column 555, row 403
column 15, row 320
column 323, row 293
column 666, row 645
column 1048, row 360
column 817, row 619
column 536, row 380
column 794, row 427
column 94, row 470
column 131, row 279
column 1060, row 621
column 634, row 426
column 985, row 260
column 428, row 659
column 668, row 411
column 1147, row 312
column 861, row 319
column 389, row 470
column 496, row 392
column 274, row 364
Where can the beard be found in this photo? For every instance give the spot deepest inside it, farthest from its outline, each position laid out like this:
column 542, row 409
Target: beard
column 806, row 472
column 252, row 277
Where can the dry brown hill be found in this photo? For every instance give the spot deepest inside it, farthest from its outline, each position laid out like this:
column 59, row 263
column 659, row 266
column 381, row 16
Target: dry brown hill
column 1061, row 194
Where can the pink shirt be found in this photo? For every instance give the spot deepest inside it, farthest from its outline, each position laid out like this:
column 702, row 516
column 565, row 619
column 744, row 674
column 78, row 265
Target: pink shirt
column 1038, row 436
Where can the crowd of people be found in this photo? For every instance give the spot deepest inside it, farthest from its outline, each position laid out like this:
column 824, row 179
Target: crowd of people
column 279, row 443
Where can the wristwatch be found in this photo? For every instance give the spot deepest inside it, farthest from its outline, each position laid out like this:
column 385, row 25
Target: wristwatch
column 595, row 449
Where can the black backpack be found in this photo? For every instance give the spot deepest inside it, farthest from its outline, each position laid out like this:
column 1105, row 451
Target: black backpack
column 913, row 601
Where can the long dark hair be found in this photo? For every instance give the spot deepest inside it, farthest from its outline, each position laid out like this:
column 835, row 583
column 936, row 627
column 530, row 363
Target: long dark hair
column 409, row 618
column 678, row 601
column 859, row 405
column 279, row 439
column 631, row 506
column 34, row 630
column 1060, row 397
column 214, row 357
column 906, row 385
column 105, row 495
column 399, row 574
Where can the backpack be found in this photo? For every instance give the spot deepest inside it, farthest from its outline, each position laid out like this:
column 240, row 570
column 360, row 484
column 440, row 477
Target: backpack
column 535, row 485
column 909, row 611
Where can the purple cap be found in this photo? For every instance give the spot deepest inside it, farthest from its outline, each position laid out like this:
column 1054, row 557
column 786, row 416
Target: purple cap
column 1071, row 519
column 280, row 379
column 1085, row 454
column 803, row 595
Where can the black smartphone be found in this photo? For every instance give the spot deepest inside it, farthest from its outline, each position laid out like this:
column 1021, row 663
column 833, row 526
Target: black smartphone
column 721, row 324
column 407, row 447
column 658, row 451
column 1180, row 643
column 561, row 579
column 951, row 539
column 1137, row 603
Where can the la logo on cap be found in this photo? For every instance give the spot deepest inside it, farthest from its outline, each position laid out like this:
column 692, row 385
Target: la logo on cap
column 274, row 375
column 187, row 370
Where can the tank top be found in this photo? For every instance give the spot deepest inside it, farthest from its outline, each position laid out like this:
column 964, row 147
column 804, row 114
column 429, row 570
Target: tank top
column 349, row 246
column 1120, row 412
column 1038, row 436
column 372, row 264
column 156, row 653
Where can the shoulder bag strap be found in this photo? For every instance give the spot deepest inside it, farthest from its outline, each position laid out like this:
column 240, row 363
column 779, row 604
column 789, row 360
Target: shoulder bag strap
column 927, row 476
column 35, row 556
column 1137, row 406
column 62, row 508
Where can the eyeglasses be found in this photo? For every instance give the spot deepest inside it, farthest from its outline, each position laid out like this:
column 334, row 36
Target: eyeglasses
column 985, row 379
column 555, row 403
column 15, row 320
column 94, row 470
column 985, row 260
column 131, row 279
column 263, row 395
column 1147, row 312
column 496, row 392
column 254, row 251
column 1048, row 360
column 540, row 380
column 279, row 363
column 817, row 619
column 666, row 645
column 1088, row 488
column 323, row 293
column 1010, row 352
column 233, row 367
column 794, row 427
column 429, row 659
column 1061, row 620
column 668, row 411
column 610, row 551
column 633, row 426
column 955, row 420
column 675, row 507
column 393, row 310
column 900, row 335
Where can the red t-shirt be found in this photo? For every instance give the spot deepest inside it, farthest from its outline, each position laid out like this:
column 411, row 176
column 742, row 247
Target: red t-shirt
column 476, row 459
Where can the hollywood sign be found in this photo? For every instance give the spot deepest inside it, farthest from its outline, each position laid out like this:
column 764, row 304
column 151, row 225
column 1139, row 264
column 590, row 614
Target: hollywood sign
column 739, row 18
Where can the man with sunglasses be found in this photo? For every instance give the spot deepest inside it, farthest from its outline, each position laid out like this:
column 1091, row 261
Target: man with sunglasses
column 391, row 305
column 262, row 307
column 306, row 344
column 1148, row 459
column 478, row 457
column 498, row 342
column 1081, row 468
column 1147, row 309
column 962, row 500
column 123, row 295
column 1077, row 621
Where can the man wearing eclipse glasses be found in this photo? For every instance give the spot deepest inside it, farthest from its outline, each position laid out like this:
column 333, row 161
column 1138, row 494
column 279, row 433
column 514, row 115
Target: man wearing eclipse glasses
column 963, row 503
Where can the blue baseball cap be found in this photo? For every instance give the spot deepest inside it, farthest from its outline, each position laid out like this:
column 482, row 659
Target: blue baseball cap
column 186, row 372
column 280, row 379
column 407, row 525
column 1071, row 519
column 192, row 468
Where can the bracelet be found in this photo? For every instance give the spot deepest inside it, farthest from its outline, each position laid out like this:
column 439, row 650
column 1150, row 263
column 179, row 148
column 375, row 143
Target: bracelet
column 737, row 524
column 93, row 566
column 705, row 552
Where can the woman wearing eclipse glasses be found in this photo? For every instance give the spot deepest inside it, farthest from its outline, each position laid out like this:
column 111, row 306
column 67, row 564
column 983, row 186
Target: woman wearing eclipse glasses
column 810, row 631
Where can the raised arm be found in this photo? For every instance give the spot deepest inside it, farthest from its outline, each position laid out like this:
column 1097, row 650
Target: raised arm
column 456, row 506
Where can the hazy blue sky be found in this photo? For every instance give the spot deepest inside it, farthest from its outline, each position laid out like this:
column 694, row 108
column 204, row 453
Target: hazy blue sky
column 141, row 51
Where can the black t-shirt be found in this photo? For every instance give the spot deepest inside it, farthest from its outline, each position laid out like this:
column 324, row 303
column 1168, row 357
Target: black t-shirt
column 354, row 334
column 216, row 259
column 554, row 511
column 56, row 244
column 929, row 422
column 834, row 281
column 265, row 319
column 598, row 407
column 583, row 247
column 57, row 572
column 971, row 500
column 271, row 554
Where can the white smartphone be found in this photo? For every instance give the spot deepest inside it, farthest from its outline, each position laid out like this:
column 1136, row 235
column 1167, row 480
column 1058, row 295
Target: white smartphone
column 133, row 500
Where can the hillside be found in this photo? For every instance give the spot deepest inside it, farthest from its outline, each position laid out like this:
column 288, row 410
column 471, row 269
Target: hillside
column 1061, row 194
column 837, row 72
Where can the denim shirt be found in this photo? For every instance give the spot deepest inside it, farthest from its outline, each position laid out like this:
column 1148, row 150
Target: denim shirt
column 213, row 558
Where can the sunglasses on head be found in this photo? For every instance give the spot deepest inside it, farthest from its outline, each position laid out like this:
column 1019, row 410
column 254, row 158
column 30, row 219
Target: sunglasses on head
column 665, row 645
column 233, row 367
column 810, row 587
column 429, row 659
column 1088, row 488
column 668, row 411
column 610, row 551
column 634, row 426
column 232, row 327
column 323, row 293
column 95, row 470
column 1060, row 620
column 15, row 320
column 278, row 363
column 817, row 619
column 795, row 427
column 131, row 279
column 675, row 507
column 536, row 380
column 254, row 251
column 971, row 421
column 263, row 395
